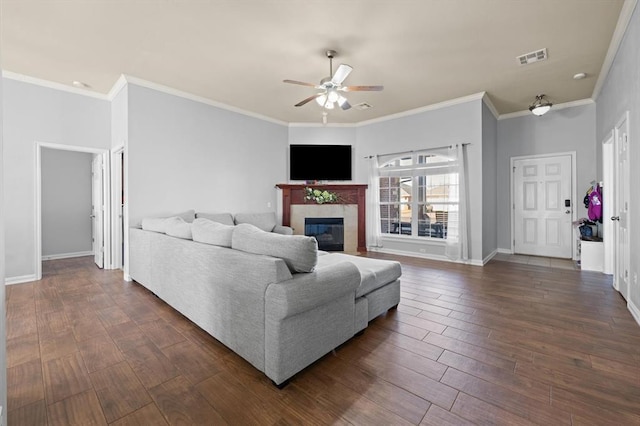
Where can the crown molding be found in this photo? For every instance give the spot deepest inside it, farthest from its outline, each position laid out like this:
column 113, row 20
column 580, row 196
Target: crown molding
column 487, row 101
column 556, row 107
column 120, row 83
column 432, row 107
column 190, row 96
column 53, row 85
column 337, row 125
column 616, row 40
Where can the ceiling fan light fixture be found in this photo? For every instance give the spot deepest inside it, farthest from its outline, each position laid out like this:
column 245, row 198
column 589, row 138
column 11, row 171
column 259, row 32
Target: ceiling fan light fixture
column 328, row 105
column 540, row 106
column 321, row 100
column 332, row 96
column 341, row 100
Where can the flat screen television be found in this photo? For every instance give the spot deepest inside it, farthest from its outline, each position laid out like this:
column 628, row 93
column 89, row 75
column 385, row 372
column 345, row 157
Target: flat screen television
column 320, row 162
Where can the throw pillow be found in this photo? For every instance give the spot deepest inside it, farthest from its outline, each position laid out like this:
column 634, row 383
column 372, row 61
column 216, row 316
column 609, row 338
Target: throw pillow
column 299, row 252
column 210, row 232
column 155, row 224
column 177, row 227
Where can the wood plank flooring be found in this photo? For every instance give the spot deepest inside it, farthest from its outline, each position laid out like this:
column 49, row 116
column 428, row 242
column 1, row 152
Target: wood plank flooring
column 507, row 344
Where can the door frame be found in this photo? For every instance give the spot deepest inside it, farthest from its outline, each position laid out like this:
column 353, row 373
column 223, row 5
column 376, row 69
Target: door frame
column 574, row 193
column 106, row 223
column 117, row 234
column 608, row 206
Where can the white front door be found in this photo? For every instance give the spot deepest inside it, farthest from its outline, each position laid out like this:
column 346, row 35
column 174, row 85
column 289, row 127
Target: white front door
column 621, row 215
column 542, row 206
column 97, row 210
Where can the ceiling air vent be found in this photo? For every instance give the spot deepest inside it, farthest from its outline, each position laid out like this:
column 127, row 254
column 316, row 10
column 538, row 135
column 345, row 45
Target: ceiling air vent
column 362, row 106
column 531, row 57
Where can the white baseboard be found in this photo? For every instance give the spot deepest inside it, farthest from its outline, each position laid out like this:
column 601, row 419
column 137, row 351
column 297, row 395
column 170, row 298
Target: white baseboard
column 126, row 277
column 504, row 251
column 425, row 256
column 19, row 280
column 635, row 312
column 489, row 257
column 67, row 255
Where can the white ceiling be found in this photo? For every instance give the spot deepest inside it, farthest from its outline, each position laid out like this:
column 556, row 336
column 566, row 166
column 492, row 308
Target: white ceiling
column 237, row 52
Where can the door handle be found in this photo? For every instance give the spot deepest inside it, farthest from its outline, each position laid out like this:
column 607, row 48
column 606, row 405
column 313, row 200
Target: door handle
column 92, row 216
column 615, row 217
column 568, row 211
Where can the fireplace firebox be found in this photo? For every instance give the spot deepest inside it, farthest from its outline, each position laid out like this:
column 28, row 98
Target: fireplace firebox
column 328, row 231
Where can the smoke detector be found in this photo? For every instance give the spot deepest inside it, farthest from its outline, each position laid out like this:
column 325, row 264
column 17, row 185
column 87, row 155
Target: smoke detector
column 531, row 57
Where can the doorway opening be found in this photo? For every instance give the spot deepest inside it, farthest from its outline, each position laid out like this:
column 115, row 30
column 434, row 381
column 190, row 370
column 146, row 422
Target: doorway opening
column 97, row 216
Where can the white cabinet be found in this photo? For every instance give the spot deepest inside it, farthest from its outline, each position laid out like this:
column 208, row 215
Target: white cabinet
column 592, row 256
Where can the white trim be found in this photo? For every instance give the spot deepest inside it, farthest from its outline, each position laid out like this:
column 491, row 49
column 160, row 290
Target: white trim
column 38, row 197
column 425, row 256
column 175, row 92
column 127, row 277
column 67, row 255
column 116, row 173
column 53, row 85
column 635, row 312
column 439, row 105
column 301, row 124
column 487, row 101
column 504, row 251
column 616, row 39
column 117, row 87
column 19, row 280
column 574, row 194
column 489, row 257
column 556, row 107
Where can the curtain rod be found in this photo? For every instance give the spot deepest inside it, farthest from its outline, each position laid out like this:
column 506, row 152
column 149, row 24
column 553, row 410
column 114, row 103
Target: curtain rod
column 419, row 150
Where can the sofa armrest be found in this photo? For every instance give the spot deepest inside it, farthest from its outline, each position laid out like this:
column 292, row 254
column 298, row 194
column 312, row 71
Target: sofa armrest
column 306, row 291
column 284, row 230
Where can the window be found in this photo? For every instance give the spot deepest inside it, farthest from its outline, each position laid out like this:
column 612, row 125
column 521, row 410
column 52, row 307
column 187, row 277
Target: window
column 419, row 194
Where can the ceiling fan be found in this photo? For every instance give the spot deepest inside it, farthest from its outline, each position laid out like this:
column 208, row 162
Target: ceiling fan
column 330, row 88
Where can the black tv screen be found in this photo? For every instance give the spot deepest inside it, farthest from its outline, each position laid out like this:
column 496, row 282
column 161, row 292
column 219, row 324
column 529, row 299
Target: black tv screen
column 320, row 162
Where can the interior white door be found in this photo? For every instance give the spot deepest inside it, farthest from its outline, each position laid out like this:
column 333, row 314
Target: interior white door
column 621, row 218
column 97, row 209
column 543, row 204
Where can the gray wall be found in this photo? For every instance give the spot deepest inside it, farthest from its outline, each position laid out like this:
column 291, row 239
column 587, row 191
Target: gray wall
column 489, row 183
column 187, row 155
column 620, row 93
column 38, row 114
column 440, row 127
column 563, row 130
column 66, row 202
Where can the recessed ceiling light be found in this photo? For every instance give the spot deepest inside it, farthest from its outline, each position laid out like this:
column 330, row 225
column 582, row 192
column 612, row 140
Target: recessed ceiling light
column 579, row 76
column 80, row 84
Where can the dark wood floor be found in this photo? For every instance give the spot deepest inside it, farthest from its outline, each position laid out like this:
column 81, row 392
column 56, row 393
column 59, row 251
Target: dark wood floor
column 504, row 344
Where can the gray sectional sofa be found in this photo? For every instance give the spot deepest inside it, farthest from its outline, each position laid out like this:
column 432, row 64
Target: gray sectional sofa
column 273, row 299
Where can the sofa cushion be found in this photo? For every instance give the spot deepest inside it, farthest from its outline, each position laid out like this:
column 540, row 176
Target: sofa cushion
column 210, row 232
column 299, row 252
column 374, row 273
column 178, row 227
column 264, row 221
column 224, row 218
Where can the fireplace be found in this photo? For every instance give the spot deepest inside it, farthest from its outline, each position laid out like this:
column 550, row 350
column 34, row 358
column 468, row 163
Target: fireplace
column 328, row 231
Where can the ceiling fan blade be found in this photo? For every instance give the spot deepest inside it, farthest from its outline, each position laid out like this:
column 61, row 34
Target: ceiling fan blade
column 309, row 99
column 301, row 83
column 341, row 74
column 362, row 88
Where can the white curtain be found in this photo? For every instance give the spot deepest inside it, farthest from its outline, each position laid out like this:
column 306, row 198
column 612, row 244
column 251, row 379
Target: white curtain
column 457, row 235
column 373, row 204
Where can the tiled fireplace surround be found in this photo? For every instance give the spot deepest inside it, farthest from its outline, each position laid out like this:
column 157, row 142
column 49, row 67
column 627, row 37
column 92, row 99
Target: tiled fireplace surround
column 351, row 207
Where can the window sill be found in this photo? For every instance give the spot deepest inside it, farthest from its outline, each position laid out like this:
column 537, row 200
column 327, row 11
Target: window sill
column 414, row 240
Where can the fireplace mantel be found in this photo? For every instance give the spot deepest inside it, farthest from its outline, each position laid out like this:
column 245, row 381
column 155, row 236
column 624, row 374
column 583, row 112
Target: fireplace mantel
column 348, row 194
